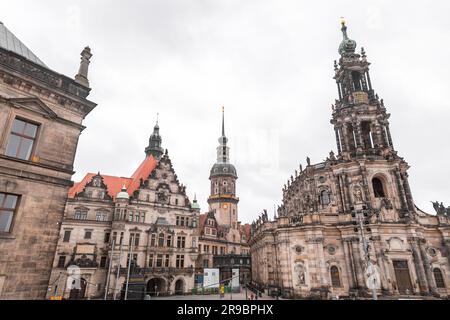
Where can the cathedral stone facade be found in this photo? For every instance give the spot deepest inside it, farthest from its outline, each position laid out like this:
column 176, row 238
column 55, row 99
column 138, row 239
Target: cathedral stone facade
column 146, row 219
column 41, row 115
column 349, row 225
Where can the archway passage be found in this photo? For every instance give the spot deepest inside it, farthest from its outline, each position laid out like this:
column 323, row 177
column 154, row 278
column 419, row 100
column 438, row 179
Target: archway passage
column 179, row 287
column 77, row 294
column 156, row 287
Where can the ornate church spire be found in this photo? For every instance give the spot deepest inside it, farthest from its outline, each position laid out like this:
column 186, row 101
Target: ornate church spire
column 154, row 143
column 223, row 150
column 360, row 119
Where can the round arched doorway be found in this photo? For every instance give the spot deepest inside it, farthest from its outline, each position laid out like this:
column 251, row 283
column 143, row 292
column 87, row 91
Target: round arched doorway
column 179, row 287
column 156, row 287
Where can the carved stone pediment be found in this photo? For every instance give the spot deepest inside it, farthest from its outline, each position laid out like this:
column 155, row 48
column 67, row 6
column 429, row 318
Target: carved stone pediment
column 34, row 105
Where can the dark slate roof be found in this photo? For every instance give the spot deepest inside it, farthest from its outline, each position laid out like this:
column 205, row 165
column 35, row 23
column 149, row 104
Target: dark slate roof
column 220, row 169
column 10, row 42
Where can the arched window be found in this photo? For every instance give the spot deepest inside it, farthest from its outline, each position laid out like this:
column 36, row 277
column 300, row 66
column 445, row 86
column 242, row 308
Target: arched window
column 335, row 280
column 438, row 278
column 161, row 240
column 378, row 189
column 356, row 77
column 325, row 197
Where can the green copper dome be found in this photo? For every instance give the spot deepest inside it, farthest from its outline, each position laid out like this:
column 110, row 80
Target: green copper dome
column 347, row 45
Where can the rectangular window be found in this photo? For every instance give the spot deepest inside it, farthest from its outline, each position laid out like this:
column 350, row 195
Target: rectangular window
column 66, row 235
column 21, row 139
column 181, row 242
column 8, row 205
column 88, row 234
column 114, row 238
column 206, row 263
column 153, row 240
column 107, row 236
column 178, row 221
column 169, row 240
column 61, row 261
column 80, row 215
column 159, row 258
column 142, row 217
column 150, row 260
column 167, row 263
column 99, row 216
column 136, row 239
column 103, row 262
column 179, row 261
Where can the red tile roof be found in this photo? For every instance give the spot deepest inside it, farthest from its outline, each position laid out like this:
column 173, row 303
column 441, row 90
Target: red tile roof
column 114, row 184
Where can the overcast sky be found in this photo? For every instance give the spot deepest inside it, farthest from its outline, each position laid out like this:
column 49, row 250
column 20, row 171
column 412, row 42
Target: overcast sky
column 269, row 62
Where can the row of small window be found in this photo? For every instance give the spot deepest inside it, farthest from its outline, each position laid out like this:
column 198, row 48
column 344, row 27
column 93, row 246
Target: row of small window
column 62, row 262
column 83, row 215
column 166, row 240
column 160, row 260
column 87, row 235
column 210, row 231
column 8, row 208
column 214, row 249
column 184, row 221
column 123, row 214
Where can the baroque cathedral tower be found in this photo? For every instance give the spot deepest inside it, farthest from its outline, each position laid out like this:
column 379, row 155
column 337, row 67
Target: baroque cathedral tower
column 348, row 225
column 223, row 200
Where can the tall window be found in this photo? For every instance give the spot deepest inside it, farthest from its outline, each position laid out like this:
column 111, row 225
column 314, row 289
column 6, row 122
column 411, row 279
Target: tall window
column 66, row 235
column 324, row 198
column 179, row 263
column 438, row 278
column 378, row 189
column 21, row 140
column 61, row 262
column 103, row 261
column 153, row 240
column 150, row 260
column 107, row 236
column 159, row 258
column 181, row 242
column 169, row 240
column 335, row 279
column 167, row 261
column 161, row 240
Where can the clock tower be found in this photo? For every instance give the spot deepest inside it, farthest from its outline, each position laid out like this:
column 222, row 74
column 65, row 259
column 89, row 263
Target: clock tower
column 223, row 201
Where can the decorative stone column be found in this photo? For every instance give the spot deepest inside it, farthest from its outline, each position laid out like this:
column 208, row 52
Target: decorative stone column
column 419, row 265
column 356, row 253
column 400, row 189
column 408, row 193
column 338, row 140
column 351, row 272
column 427, row 266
